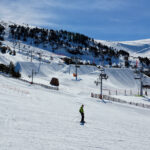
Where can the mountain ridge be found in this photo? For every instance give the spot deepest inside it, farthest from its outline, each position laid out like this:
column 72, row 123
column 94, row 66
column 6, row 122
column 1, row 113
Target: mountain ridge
column 70, row 44
column 135, row 48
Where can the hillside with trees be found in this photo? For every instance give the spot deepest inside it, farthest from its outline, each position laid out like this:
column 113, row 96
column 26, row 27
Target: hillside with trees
column 73, row 44
column 69, row 44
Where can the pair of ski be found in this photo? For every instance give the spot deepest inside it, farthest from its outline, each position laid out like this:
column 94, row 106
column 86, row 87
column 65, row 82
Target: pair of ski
column 82, row 122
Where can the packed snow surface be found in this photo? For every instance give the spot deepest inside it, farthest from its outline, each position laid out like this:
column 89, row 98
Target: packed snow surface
column 32, row 118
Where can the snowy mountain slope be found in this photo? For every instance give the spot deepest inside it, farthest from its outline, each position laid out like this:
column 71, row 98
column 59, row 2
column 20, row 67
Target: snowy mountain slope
column 135, row 48
column 50, row 64
column 61, row 42
column 34, row 118
column 64, row 43
column 46, row 68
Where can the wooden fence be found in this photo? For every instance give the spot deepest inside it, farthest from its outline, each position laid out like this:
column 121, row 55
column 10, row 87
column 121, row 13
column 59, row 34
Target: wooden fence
column 39, row 84
column 125, row 92
column 42, row 85
column 110, row 98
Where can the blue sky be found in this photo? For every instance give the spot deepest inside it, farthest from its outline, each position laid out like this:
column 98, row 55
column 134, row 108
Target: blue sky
column 115, row 20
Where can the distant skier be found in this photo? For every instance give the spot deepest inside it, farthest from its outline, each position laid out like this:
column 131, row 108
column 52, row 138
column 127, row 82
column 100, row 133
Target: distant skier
column 81, row 110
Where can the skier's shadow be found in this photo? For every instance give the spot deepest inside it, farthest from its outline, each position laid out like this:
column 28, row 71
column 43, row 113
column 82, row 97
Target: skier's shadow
column 76, row 80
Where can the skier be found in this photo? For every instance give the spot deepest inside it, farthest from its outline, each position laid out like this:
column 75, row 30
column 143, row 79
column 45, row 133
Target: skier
column 81, row 110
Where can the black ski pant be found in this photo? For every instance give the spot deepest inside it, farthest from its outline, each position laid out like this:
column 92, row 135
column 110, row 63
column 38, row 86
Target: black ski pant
column 82, row 117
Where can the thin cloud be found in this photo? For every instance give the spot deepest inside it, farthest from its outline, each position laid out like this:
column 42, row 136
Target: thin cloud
column 91, row 17
column 85, row 4
column 45, row 11
column 23, row 12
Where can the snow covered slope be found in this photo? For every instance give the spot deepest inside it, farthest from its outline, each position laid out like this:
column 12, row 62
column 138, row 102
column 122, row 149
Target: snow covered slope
column 34, row 118
column 135, row 48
